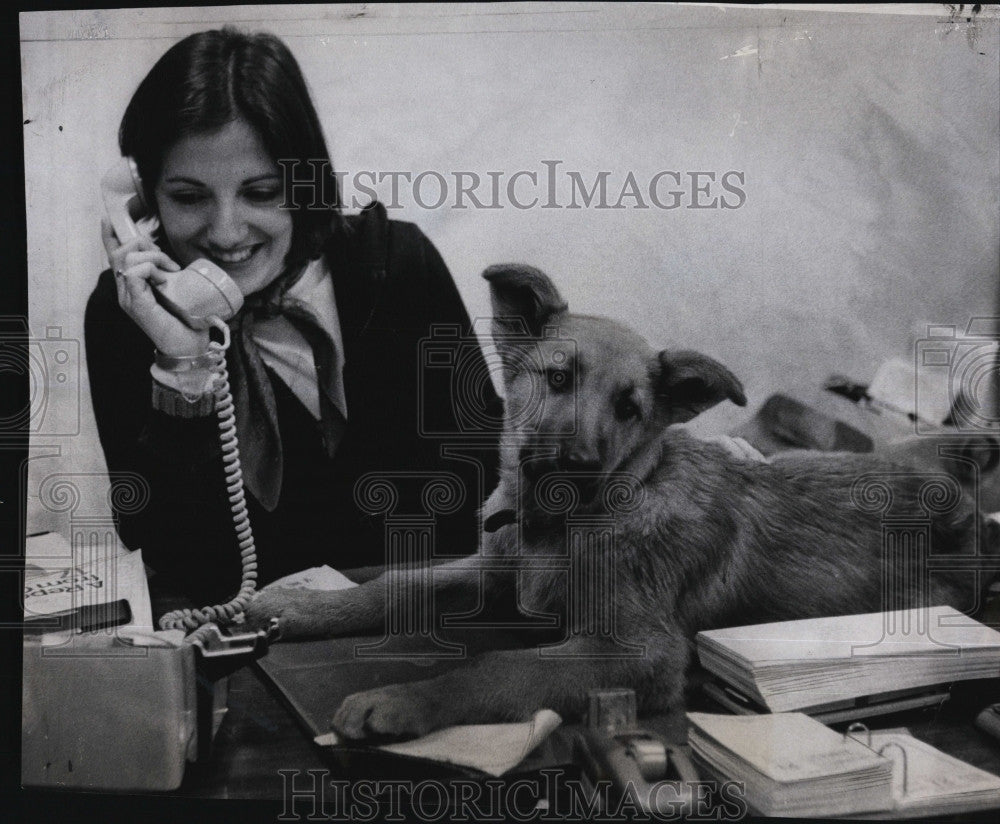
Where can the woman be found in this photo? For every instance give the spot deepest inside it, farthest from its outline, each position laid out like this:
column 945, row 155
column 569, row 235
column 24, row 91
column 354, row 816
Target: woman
column 325, row 361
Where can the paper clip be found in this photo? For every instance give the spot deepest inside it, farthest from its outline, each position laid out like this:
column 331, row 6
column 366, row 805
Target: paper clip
column 857, row 726
column 898, row 746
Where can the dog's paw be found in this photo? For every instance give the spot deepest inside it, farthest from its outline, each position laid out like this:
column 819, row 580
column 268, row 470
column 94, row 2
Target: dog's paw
column 299, row 611
column 394, row 710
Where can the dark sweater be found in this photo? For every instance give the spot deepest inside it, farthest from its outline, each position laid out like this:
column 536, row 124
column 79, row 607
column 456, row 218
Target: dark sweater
column 391, row 287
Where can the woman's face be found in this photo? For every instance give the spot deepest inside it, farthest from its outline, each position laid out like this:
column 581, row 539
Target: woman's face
column 218, row 198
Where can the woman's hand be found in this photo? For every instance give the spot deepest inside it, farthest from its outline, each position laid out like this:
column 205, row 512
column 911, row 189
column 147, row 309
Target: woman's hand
column 138, row 266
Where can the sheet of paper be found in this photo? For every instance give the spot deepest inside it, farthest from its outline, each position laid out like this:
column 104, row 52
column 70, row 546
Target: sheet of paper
column 58, row 579
column 321, row 577
column 492, row 748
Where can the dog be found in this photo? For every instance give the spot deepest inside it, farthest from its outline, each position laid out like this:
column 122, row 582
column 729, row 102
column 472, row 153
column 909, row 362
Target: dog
column 700, row 538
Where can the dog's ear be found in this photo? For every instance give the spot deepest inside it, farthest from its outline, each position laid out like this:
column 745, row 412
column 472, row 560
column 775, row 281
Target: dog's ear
column 524, row 300
column 689, row 383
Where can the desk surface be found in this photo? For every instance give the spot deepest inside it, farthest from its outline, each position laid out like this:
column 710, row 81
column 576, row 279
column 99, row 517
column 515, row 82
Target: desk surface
column 259, row 737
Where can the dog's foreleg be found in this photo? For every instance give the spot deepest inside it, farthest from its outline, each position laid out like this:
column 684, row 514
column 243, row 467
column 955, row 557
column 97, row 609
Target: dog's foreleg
column 511, row 685
column 303, row 613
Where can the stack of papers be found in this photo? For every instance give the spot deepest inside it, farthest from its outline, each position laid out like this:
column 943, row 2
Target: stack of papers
column 791, row 765
column 927, row 782
column 815, row 663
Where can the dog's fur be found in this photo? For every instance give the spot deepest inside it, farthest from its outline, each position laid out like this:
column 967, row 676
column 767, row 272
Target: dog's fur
column 702, row 538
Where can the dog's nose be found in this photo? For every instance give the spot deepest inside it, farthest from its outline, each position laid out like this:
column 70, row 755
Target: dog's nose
column 579, row 460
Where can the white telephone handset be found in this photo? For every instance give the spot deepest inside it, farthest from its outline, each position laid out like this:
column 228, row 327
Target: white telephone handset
column 202, row 296
column 196, row 294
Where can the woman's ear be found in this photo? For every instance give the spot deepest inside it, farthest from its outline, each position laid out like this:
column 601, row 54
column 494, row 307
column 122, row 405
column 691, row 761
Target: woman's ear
column 689, row 383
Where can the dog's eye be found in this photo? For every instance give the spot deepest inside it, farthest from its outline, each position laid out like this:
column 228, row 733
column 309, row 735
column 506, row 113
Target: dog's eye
column 626, row 409
column 559, row 379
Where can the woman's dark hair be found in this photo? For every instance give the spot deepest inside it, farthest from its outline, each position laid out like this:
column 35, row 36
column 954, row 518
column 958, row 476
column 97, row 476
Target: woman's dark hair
column 212, row 78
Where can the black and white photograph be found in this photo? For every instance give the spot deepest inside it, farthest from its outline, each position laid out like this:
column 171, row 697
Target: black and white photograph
column 505, row 412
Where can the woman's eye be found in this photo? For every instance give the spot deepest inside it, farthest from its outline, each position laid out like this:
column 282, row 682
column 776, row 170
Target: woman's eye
column 262, row 195
column 187, row 198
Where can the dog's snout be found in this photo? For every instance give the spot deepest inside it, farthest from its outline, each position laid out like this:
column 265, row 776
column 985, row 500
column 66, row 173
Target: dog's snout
column 576, row 459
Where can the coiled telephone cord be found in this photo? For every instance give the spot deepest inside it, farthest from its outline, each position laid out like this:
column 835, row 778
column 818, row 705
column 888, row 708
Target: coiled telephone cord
column 224, row 614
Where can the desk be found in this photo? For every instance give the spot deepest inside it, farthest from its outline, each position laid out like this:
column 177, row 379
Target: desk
column 260, row 736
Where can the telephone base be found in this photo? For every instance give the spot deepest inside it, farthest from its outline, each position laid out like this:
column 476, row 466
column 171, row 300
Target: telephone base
column 104, row 714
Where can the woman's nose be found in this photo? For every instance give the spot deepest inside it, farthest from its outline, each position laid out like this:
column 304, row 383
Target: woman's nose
column 227, row 226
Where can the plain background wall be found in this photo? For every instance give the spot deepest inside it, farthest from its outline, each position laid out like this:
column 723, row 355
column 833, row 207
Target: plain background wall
column 869, row 144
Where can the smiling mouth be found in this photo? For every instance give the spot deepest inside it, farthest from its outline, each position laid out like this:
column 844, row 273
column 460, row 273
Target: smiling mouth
column 233, row 258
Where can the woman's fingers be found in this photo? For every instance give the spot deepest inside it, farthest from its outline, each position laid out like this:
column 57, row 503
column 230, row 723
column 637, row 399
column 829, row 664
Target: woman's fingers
column 154, row 256
column 139, row 280
column 134, row 286
column 139, row 266
column 136, row 296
